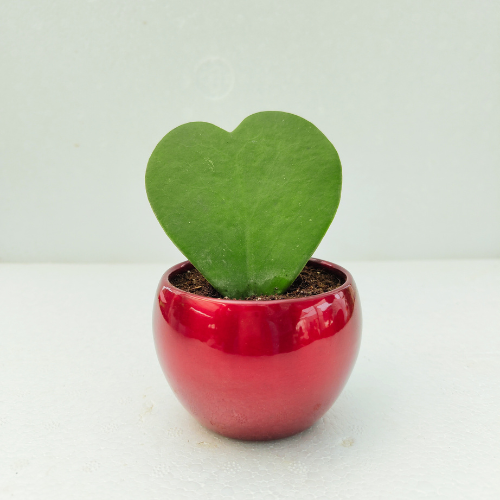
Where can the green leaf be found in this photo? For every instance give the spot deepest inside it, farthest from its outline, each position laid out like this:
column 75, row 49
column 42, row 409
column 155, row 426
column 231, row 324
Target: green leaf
column 249, row 207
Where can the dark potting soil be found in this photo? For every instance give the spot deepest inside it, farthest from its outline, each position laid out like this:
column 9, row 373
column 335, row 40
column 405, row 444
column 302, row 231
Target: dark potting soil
column 311, row 281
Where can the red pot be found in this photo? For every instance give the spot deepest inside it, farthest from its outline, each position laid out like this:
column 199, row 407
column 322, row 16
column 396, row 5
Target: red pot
column 257, row 369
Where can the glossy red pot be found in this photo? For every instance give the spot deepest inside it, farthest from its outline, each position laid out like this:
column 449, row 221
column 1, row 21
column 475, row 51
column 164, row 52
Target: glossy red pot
column 257, row 369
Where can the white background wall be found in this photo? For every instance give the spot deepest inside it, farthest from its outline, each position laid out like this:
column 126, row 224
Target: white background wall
column 408, row 92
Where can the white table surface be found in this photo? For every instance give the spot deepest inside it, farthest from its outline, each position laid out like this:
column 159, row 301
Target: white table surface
column 85, row 411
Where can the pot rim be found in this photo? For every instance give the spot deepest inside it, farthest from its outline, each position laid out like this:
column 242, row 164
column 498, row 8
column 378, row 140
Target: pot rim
column 319, row 262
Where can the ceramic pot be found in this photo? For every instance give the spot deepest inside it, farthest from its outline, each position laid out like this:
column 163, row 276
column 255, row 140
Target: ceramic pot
column 257, row 370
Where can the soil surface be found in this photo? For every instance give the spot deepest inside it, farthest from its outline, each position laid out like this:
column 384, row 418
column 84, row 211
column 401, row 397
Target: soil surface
column 311, row 281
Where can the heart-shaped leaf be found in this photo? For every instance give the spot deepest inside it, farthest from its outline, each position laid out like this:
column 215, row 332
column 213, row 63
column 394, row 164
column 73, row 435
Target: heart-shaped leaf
column 249, row 207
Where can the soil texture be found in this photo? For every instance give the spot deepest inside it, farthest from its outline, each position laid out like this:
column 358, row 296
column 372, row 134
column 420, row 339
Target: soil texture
column 311, row 281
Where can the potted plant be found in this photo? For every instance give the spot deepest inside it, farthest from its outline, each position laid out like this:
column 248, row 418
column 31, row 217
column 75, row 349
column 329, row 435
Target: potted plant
column 255, row 338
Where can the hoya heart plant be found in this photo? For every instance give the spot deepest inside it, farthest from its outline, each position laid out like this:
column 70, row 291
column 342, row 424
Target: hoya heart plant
column 248, row 208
